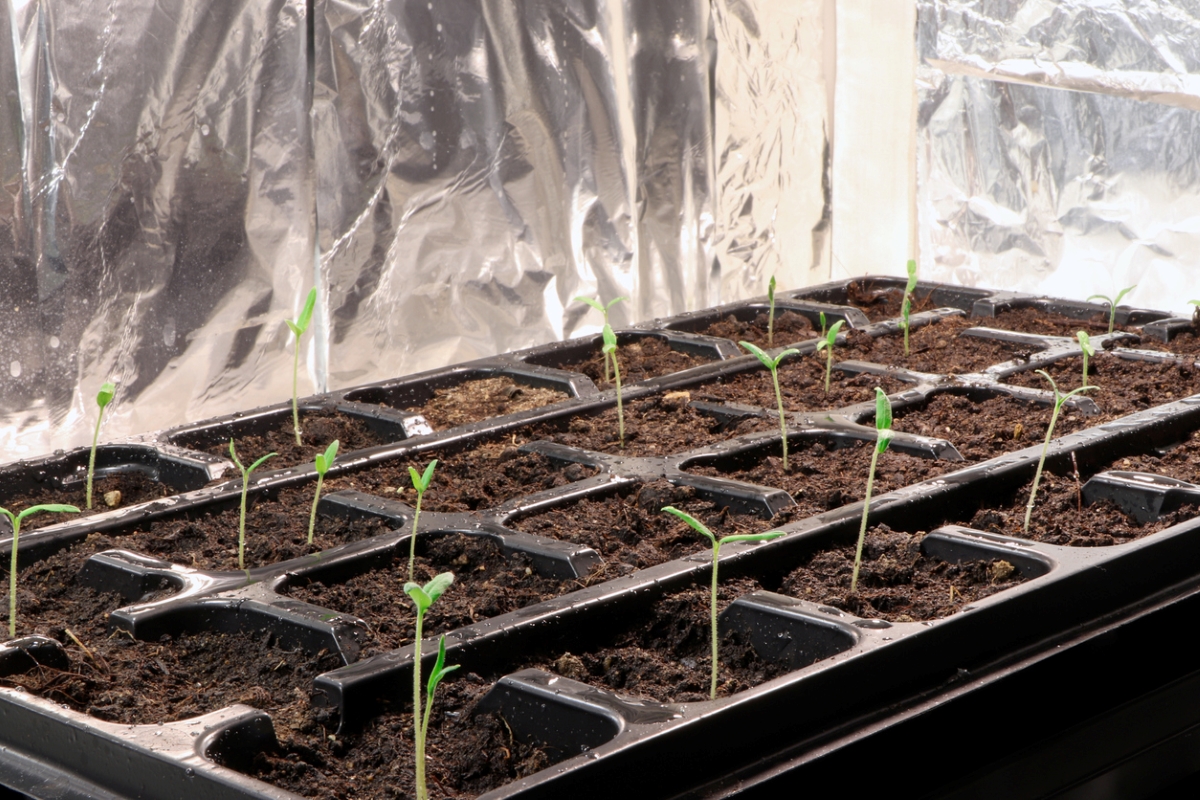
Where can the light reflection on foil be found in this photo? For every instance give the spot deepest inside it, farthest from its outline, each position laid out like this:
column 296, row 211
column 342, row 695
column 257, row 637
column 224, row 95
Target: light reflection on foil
column 1085, row 183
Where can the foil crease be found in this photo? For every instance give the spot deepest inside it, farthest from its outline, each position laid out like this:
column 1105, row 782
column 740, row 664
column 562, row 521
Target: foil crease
column 1058, row 147
column 157, row 224
column 481, row 164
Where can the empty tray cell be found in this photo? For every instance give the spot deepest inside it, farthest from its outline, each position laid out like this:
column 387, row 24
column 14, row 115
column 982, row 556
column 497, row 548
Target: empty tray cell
column 641, row 356
column 272, row 431
column 460, row 397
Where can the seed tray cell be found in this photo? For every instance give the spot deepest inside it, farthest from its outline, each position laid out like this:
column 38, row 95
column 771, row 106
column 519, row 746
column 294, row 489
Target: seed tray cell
column 845, row 682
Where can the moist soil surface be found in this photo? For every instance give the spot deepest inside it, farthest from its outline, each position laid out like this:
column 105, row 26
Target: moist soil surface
column 660, row 654
column 130, row 488
column 789, row 328
column 647, row 357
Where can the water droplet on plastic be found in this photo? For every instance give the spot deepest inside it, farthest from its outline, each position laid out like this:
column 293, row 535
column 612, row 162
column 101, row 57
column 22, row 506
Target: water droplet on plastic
column 439, row 27
column 205, row 130
column 14, row 369
column 54, row 342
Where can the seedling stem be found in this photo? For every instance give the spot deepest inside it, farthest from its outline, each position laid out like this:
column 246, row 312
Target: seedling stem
column 103, row 398
column 323, row 462
column 771, row 315
column 420, row 482
column 245, row 488
column 772, row 364
column 423, row 597
column 15, row 519
column 1059, row 400
column 1085, row 344
column 298, row 327
column 906, row 306
column 603, row 309
column 1112, row 304
column 883, row 436
column 610, row 348
column 827, row 344
column 700, row 528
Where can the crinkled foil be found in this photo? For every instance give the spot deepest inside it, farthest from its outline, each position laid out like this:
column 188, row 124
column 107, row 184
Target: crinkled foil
column 1059, row 147
column 450, row 174
column 157, row 225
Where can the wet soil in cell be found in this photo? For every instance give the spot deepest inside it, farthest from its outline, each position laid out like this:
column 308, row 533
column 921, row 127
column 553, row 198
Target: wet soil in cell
column 318, row 429
column 630, row 530
column 655, row 426
column 939, row 347
column 896, row 582
column 666, row 655
column 130, row 487
column 1124, row 386
column 1059, row 518
column 482, row 399
column 640, row 360
column 480, row 478
column 789, row 328
column 802, row 386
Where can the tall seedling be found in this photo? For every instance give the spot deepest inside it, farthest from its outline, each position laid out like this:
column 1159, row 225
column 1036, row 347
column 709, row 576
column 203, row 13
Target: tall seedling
column 1085, row 344
column 700, row 528
column 773, row 365
column 1059, row 400
column 420, row 482
column 771, row 313
column 103, row 398
column 298, row 327
column 1112, row 304
column 423, row 597
column 245, row 488
column 883, row 436
column 906, row 306
column 610, row 348
column 322, row 462
column 827, row 344
column 603, row 309
column 15, row 519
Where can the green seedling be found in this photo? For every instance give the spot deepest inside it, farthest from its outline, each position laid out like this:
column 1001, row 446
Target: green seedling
column 1085, row 344
column 610, row 348
column 1195, row 313
column 821, row 314
column 420, row 482
column 1059, row 400
column 298, row 327
column 827, row 344
column 700, row 528
column 883, row 437
column 771, row 314
column 773, row 365
column 15, row 519
column 103, row 398
column 245, row 489
column 603, row 309
column 423, row 597
column 322, row 462
column 906, row 306
column 1112, row 304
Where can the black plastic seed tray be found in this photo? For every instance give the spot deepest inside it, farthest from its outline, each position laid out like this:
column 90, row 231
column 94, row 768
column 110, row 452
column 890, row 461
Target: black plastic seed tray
column 852, row 693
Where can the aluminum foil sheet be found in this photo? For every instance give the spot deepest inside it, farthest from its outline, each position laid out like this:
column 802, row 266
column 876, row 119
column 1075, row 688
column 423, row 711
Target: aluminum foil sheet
column 1058, row 147
column 157, row 221
column 481, row 164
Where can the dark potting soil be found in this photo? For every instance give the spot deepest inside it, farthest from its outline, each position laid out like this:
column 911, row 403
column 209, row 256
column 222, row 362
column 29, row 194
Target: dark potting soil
column 789, row 328
column 317, row 430
column 630, row 530
column 1123, row 386
column 482, row 399
column 130, row 488
column 896, row 581
column 802, row 385
column 646, row 358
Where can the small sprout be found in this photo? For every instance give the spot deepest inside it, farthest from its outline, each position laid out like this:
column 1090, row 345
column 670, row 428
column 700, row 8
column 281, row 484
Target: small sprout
column 1195, row 313
column 906, row 306
column 773, row 365
column 827, row 344
column 1085, row 344
column 610, row 348
column 603, row 309
column 298, row 327
column 700, row 528
column 245, row 487
column 883, row 436
column 420, row 482
column 423, row 597
column 771, row 315
column 1112, row 304
column 821, row 314
column 323, row 462
column 1059, row 400
column 103, row 398
column 15, row 519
